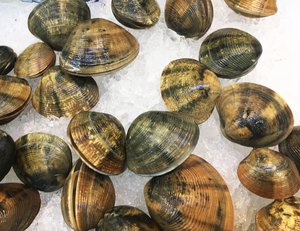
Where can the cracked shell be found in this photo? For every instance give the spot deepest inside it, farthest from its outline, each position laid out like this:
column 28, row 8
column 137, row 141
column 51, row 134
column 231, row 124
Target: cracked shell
column 7, row 59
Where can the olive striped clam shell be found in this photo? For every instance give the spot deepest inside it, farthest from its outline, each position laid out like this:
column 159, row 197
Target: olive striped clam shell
column 7, row 59
column 99, row 140
column 136, row 13
column 98, row 46
column 187, row 86
column 158, row 141
column 191, row 18
column 59, row 94
column 230, row 52
column 192, row 197
column 7, row 153
column 254, row 115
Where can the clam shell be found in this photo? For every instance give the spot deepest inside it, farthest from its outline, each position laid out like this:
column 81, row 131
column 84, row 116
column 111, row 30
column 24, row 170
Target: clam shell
column 254, row 115
column 99, row 140
column 280, row 215
column 157, row 142
column 98, row 46
column 191, row 18
column 253, row 8
column 43, row 161
column 137, row 13
column 127, row 218
column 192, row 197
column 15, row 94
column 86, row 196
column 187, row 86
column 7, row 153
column 230, row 53
column 269, row 174
column 34, row 60
column 62, row 95
column 7, row 59
column 19, row 206
column 53, row 20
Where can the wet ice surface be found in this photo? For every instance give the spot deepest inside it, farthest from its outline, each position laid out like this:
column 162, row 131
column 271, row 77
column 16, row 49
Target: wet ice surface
column 135, row 89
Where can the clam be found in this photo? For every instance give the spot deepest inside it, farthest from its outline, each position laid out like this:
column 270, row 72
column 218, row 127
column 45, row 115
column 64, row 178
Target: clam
column 43, row 161
column 280, row 215
column 15, row 94
column 7, row 153
column 59, row 94
column 253, row 8
column 192, row 197
column 34, row 60
column 137, row 13
column 269, row 174
column 7, row 59
column 19, row 206
column 191, row 18
column 187, row 86
column 86, row 196
column 53, row 20
column 98, row 46
column 126, row 218
column 157, row 142
column 254, row 115
column 230, row 53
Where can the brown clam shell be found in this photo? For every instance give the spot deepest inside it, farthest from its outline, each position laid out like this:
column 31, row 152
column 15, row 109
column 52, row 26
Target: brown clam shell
column 192, row 197
column 7, row 59
column 7, row 153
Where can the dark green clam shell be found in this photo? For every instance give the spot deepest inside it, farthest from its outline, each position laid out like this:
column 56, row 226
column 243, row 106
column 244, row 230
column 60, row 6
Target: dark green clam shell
column 7, row 153
column 7, row 59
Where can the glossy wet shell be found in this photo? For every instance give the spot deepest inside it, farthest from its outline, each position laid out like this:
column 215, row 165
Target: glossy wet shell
column 280, row 215
column 43, row 161
column 34, row 60
column 269, row 174
column 99, row 140
column 7, row 59
column 253, row 8
column 53, row 20
column 187, row 86
column 254, row 115
column 7, row 153
column 98, row 46
column 192, row 197
column 15, row 94
column 128, row 218
column 137, row 14
column 59, row 94
column 19, row 206
column 190, row 18
column 230, row 53
column 157, row 142
column 86, row 196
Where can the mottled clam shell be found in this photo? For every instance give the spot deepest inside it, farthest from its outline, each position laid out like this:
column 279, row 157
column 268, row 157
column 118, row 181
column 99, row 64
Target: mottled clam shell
column 34, row 60
column 53, row 20
column 192, row 197
column 128, row 218
column 99, row 140
column 43, row 161
column 291, row 146
column 190, row 18
column 280, row 215
column 19, row 206
column 7, row 59
column 7, row 153
column 59, row 94
column 86, row 196
column 136, row 14
column 187, row 86
column 15, row 94
column 254, row 115
column 98, row 46
column 269, row 174
column 157, row 142
column 230, row 53
column 253, row 8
